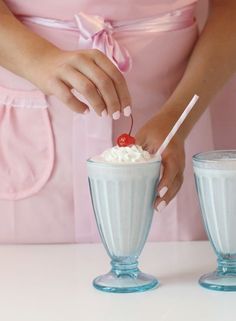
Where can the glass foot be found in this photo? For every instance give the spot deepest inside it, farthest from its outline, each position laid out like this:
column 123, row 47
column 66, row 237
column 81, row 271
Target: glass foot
column 125, row 282
column 219, row 281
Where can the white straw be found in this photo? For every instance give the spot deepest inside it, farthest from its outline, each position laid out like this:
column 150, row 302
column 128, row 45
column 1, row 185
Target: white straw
column 177, row 125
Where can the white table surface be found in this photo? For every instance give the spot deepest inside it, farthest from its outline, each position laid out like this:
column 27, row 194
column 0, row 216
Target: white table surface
column 53, row 283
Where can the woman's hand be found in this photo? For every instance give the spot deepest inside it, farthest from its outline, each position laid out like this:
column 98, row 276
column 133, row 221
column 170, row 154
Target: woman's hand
column 56, row 71
column 90, row 73
column 150, row 137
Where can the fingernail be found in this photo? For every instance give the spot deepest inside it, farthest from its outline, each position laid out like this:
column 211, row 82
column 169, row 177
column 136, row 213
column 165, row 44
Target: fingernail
column 104, row 113
column 116, row 115
column 86, row 111
column 127, row 111
column 163, row 191
column 161, row 206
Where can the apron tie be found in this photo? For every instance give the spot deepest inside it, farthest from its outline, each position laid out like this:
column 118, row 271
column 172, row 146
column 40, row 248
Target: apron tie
column 98, row 33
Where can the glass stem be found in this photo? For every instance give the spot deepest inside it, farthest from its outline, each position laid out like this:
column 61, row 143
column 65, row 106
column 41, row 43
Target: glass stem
column 124, row 268
column 226, row 265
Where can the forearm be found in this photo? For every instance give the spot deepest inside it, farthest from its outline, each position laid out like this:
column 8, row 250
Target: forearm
column 211, row 65
column 20, row 49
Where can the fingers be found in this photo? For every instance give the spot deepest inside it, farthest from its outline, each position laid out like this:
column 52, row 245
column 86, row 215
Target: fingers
column 118, row 80
column 61, row 91
column 107, row 79
column 169, row 173
column 170, row 182
column 105, row 86
column 161, row 202
column 93, row 76
column 85, row 87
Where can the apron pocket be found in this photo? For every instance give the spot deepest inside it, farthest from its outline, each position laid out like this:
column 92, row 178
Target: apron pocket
column 26, row 143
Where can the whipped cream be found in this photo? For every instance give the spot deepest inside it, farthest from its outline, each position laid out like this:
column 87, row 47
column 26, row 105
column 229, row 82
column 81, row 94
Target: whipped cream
column 128, row 154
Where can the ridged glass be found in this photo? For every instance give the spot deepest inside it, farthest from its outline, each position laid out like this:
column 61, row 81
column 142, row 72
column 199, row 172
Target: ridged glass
column 122, row 197
column 215, row 177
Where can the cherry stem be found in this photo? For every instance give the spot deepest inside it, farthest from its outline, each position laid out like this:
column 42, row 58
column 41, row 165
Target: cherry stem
column 132, row 121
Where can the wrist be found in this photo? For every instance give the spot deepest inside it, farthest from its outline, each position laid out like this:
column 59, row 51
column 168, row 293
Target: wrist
column 174, row 108
column 39, row 63
column 171, row 116
column 21, row 50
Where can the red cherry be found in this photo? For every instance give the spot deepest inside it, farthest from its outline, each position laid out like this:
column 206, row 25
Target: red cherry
column 131, row 140
column 125, row 140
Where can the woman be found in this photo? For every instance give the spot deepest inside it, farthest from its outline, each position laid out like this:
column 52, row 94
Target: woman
column 45, row 51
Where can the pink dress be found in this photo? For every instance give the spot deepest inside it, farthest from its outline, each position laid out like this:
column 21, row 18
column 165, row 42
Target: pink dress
column 44, row 196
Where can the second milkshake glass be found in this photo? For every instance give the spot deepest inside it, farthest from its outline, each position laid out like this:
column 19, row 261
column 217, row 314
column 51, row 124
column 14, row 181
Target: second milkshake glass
column 122, row 197
column 215, row 176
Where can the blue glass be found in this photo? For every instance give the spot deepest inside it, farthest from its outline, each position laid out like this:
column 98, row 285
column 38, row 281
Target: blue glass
column 122, row 197
column 215, row 177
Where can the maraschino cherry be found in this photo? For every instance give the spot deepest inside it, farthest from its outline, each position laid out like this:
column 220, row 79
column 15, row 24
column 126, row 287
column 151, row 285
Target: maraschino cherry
column 126, row 139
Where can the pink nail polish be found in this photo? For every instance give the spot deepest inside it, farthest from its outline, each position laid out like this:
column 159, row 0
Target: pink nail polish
column 87, row 111
column 127, row 111
column 104, row 113
column 163, row 191
column 161, row 206
column 116, row 115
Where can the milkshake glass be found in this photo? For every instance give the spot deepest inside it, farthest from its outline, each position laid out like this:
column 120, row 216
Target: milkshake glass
column 215, row 177
column 122, row 196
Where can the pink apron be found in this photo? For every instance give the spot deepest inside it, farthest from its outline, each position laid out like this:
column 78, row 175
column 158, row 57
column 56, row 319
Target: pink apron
column 44, row 196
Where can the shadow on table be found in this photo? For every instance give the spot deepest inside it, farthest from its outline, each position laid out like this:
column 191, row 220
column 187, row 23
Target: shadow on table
column 184, row 276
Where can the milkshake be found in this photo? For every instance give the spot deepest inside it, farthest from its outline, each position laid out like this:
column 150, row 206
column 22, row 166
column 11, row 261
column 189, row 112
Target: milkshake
column 215, row 176
column 123, row 184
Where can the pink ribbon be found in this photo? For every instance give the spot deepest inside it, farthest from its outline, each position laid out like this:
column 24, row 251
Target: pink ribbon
column 96, row 33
